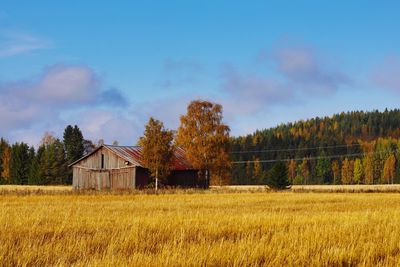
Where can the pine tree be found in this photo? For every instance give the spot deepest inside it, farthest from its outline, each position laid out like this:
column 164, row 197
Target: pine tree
column 74, row 147
column 19, row 163
column 31, row 156
column 278, row 178
column 249, row 171
column 36, row 172
column 323, row 170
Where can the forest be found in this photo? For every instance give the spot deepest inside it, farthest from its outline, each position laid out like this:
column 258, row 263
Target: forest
column 347, row 148
column 48, row 164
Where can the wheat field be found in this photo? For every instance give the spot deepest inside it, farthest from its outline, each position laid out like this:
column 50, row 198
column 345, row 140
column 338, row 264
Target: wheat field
column 200, row 229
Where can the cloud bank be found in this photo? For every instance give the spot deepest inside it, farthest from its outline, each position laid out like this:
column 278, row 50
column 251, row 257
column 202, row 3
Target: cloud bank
column 38, row 104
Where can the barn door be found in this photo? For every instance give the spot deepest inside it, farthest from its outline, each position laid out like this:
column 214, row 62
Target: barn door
column 122, row 179
column 104, row 180
column 99, row 180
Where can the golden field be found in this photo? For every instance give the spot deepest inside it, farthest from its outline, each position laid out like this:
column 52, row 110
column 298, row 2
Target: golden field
column 199, row 228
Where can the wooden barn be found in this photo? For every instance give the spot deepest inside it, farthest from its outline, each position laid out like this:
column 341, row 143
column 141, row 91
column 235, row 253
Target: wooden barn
column 121, row 167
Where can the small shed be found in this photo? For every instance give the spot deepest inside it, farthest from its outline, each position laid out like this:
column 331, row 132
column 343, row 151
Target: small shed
column 121, row 167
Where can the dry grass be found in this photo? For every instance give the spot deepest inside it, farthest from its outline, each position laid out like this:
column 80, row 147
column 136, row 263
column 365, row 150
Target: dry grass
column 34, row 188
column 246, row 229
column 381, row 188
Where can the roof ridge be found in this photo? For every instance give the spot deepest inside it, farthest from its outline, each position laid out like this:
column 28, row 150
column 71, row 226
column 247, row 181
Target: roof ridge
column 119, row 145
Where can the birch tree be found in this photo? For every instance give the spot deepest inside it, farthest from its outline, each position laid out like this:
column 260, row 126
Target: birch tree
column 205, row 138
column 158, row 150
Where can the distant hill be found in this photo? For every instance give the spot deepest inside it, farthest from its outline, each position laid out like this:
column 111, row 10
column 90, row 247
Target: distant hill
column 359, row 136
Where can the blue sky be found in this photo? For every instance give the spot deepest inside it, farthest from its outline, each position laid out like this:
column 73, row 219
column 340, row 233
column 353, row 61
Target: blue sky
column 109, row 65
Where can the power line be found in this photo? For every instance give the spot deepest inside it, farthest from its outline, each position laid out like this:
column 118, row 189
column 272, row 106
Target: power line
column 292, row 149
column 312, row 158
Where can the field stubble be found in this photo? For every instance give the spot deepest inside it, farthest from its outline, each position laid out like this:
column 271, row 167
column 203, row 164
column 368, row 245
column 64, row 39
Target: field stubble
column 235, row 229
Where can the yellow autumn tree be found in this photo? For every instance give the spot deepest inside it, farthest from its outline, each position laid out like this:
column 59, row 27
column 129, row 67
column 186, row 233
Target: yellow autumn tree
column 389, row 169
column 257, row 171
column 305, row 171
column 205, row 138
column 292, row 167
column 368, row 163
column 5, row 158
column 358, row 171
column 346, row 172
column 336, row 172
column 157, row 150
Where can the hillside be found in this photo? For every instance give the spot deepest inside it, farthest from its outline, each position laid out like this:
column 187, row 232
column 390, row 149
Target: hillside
column 326, row 150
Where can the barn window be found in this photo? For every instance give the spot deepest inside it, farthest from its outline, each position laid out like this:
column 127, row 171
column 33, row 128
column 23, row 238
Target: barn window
column 102, row 161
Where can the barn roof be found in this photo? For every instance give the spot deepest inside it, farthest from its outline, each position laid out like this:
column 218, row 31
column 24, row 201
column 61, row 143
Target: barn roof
column 133, row 154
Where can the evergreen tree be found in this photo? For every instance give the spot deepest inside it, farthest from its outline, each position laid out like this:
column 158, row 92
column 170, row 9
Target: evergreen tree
column 19, row 163
column 74, row 147
column 323, row 169
column 36, row 172
column 278, row 178
column 249, row 172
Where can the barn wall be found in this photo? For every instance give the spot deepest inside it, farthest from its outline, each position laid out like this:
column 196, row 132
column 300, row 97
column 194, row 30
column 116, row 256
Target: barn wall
column 185, row 178
column 104, row 179
column 142, row 177
column 110, row 160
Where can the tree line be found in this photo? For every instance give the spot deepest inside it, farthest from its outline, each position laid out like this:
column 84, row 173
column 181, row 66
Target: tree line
column 48, row 164
column 347, row 148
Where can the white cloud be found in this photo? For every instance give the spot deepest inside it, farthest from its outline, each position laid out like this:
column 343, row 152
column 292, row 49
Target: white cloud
column 13, row 43
column 304, row 70
column 387, row 74
column 37, row 104
column 62, row 83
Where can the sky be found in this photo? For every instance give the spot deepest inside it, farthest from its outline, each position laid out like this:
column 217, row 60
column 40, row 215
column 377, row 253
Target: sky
column 108, row 66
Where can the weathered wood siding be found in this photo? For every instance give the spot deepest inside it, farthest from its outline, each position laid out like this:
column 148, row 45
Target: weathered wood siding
column 115, row 174
column 111, row 160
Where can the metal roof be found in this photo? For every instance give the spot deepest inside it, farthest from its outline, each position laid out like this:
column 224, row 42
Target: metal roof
column 133, row 154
